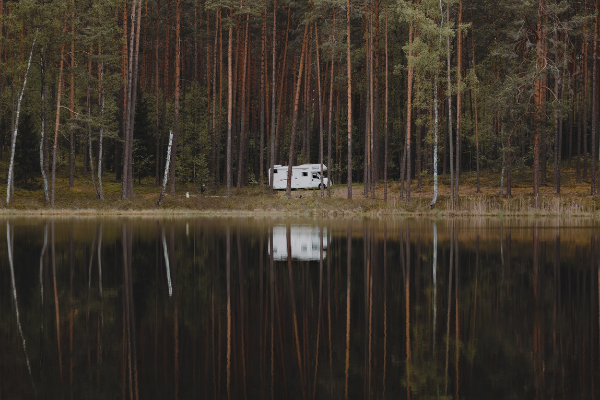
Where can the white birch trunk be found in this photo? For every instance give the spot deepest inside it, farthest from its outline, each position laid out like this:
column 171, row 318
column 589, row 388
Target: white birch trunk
column 14, row 135
column 435, row 122
column 166, row 176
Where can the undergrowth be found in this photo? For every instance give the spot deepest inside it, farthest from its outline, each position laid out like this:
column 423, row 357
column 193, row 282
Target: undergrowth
column 255, row 199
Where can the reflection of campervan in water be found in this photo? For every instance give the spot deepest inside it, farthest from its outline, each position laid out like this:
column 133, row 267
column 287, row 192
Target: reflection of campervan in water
column 304, row 176
column 304, row 242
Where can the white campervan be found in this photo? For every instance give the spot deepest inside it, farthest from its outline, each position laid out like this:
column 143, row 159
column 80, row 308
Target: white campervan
column 304, row 176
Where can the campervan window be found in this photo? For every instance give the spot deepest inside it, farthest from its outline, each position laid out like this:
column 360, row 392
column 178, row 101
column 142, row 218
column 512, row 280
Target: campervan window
column 274, row 171
column 305, row 174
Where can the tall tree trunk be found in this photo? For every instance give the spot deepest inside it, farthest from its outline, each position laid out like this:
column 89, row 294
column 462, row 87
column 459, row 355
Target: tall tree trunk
column 177, row 94
column 371, row 107
column 119, row 148
column 349, row 72
column 283, row 89
column 156, row 97
column 579, row 120
column 72, row 105
column 10, row 184
column 411, row 72
column 459, row 55
column 263, row 60
column 89, row 129
column 449, row 94
column 419, row 167
column 330, row 165
column 273, row 89
column 540, row 63
column 318, row 68
column 57, row 124
column 295, row 112
column 594, row 100
column 557, row 119
column 131, row 93
column 242, row 140
column 368, row 75
column 101, row 115
column 229, row 102
column 376, row 90
column 476, row 105
column 585, row 104
column 594, row 104
column 385, row 158
column 166, row 175
column 216, row 145
column 44, row 137
column 436, row 122
column 595, row 94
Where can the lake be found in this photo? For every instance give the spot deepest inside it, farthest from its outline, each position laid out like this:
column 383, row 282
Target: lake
column 234, row 308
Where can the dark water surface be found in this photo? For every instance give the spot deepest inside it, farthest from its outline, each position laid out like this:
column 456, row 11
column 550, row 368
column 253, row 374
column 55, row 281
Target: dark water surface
column 216, row 308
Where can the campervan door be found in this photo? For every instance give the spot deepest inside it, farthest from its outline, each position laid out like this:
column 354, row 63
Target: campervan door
column 279, row 177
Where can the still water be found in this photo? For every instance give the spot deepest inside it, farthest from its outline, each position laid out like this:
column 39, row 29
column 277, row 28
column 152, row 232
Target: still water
column 217, row 308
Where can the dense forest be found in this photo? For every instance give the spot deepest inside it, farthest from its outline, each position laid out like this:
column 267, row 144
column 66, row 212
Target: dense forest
column 209, row 92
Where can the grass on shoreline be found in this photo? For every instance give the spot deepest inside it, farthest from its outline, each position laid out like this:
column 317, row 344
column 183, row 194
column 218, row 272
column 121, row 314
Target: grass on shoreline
column 255, row 200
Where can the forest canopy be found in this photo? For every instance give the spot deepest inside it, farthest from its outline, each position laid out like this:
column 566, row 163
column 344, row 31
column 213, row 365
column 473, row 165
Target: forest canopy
column 375, row 90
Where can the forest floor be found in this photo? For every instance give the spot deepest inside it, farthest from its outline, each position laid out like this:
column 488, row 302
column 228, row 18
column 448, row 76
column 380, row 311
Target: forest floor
column 575, row 199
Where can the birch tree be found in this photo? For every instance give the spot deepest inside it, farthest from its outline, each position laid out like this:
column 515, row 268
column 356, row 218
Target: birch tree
column 14, row 133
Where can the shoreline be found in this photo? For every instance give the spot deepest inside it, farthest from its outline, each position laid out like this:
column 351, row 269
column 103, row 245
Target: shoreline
column 311, row 204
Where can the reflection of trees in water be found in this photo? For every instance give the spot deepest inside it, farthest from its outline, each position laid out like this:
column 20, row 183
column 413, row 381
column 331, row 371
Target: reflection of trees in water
column 524, row 326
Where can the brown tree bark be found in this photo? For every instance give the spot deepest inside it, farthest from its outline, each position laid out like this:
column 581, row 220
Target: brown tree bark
column 262, row 94
column 459, row 72
column 229, row 103
column 131, row 91
column 476, row 106
column 283, row 89
column 216, row 145
column 376, row 102
column 449, row 94
column 385, row 157
column 177, row 94
column 166, row 69
column 367, row 102
column 273, row 89
column 156, row 97
column 411, row 71
column 242, row 140
column 72, row 105
column 585, row 103
column 318, row 68
column 330, row 165
column 295, row 112
column 540, row 65
column 57, row 123
column 349, row 73
column 144, row 61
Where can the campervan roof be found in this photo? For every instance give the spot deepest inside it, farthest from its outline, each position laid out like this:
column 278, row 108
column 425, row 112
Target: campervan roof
column 312, row 167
